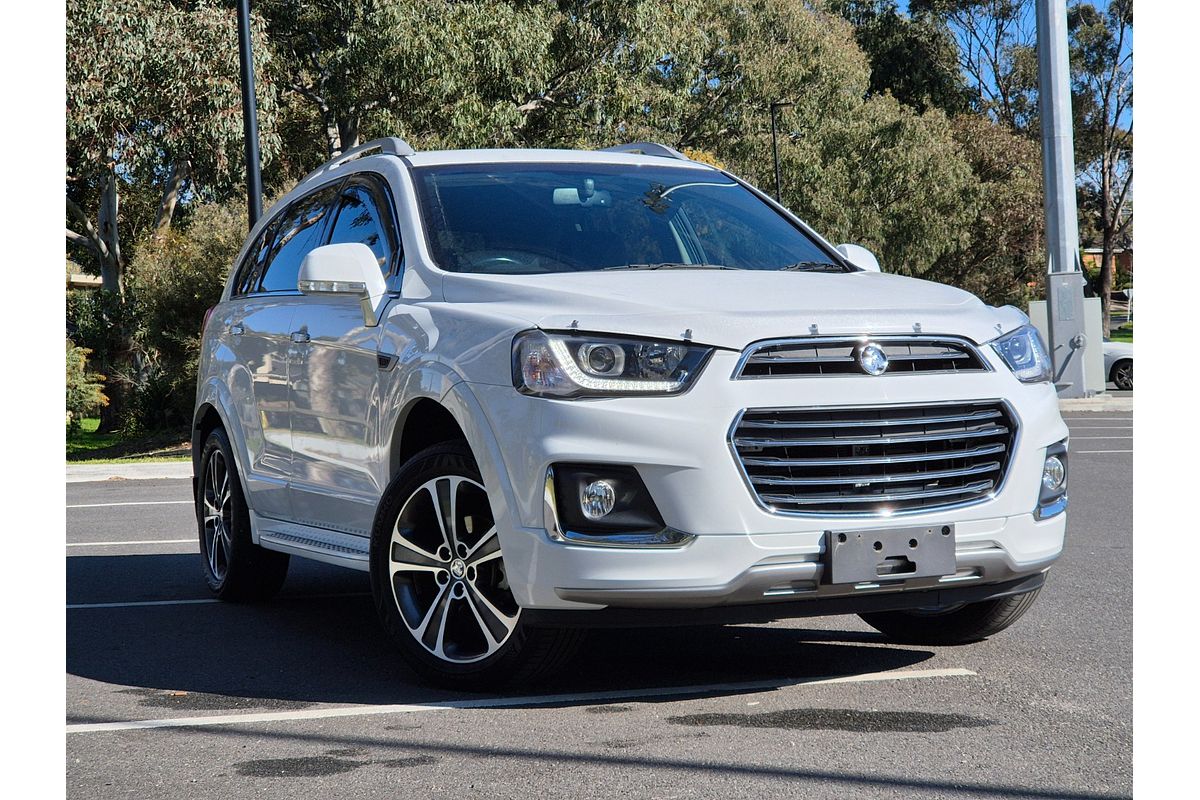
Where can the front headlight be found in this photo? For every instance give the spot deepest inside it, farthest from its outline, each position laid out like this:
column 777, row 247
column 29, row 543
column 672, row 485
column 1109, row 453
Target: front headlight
column 581, row 365
column 1025, row 354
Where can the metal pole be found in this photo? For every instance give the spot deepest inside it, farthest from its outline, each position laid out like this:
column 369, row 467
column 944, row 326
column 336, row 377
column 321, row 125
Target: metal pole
column 775, row 147
column 1064, row 281
column 249, row 115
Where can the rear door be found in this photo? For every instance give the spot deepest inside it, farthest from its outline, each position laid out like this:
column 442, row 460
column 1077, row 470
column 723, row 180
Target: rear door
column 335, row 376
column 260, row 335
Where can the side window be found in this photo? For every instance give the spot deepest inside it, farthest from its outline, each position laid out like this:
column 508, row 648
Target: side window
column 251, row 269
column 298, row 230
column 363, row 217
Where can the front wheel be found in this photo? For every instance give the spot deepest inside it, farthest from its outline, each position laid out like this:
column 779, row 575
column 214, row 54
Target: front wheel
column 958, row 624
column 439, row 581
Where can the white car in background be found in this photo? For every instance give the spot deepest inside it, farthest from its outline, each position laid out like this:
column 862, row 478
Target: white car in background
column 531, row 391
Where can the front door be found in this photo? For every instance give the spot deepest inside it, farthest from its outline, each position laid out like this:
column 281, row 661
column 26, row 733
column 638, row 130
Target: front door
column 337, row 472
column 260, row 333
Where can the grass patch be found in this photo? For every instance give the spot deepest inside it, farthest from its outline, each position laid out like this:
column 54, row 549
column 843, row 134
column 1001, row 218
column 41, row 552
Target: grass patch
column 86, row 445
column 1123, row 333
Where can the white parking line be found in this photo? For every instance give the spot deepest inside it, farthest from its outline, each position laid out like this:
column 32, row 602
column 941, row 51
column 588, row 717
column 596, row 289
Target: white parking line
column 1089, row 438
column 136, row 541
column 508, row 702
column 1101, row 451
column 204, row 600
column 140, row 604
column 1098, row 419
column 141, row 503
column 1105, row 428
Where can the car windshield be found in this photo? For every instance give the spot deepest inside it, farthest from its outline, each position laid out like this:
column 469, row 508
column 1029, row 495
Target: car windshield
column 540, row 218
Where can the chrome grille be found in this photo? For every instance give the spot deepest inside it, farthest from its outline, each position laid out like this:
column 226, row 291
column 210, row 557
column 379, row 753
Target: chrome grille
column 838, row 356
column 874, row 460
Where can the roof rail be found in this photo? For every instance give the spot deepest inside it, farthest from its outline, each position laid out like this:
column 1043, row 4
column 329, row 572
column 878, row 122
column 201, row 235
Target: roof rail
column 646, row 149
column 389, row 145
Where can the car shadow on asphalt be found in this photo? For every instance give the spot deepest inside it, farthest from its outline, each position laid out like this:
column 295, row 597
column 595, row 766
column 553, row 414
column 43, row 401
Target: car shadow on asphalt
column 321, row 642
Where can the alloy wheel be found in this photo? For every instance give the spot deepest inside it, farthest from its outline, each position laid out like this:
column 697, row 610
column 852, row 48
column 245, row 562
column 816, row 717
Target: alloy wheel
column 217, row 497
column 1123, row 375
column 447, row 574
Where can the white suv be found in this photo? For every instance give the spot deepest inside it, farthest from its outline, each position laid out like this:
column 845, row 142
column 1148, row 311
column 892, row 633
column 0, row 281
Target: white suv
column 532, row 391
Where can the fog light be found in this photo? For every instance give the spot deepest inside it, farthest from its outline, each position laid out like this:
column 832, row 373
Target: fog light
column 597, row 499
column 1053, row 474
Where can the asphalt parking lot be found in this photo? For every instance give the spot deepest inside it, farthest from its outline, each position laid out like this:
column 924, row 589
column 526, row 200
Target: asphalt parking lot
column 170, row 694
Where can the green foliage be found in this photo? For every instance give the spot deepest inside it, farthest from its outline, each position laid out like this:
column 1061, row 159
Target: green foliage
column 876, row 144
column 174, row 280
column 913, row 59
column 95, row 320
column 150, row 83
column 1002, row 260
column 85, row 389
column 996, row 44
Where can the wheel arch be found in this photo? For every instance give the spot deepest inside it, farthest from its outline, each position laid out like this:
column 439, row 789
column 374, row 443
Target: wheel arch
column 214, row 409
column 422, row 423
column 434, row 394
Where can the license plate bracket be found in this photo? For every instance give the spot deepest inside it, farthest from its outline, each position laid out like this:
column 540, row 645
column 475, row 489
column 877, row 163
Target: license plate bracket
column 869, row 556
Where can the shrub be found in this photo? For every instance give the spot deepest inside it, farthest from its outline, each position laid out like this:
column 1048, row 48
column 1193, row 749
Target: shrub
column 85, row 389
column 174, row 279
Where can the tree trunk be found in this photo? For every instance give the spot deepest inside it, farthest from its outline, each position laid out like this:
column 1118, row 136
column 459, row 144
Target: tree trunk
column 170, row 198
column 333, row 139
column 1106, row 279
column 110, row 266
column 348, row 131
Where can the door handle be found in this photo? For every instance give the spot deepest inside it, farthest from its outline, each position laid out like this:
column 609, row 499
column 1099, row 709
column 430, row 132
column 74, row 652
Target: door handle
column 237, row 329
column 299, row 337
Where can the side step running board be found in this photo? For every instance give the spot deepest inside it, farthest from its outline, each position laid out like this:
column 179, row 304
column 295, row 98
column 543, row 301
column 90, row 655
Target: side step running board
column 342, row 549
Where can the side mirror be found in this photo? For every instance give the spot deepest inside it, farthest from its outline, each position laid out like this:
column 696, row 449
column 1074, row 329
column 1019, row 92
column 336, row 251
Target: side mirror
column 347, row 269
column 859, row 256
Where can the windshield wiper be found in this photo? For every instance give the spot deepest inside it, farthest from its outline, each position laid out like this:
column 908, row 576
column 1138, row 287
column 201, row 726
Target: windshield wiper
column 812, row 266
column 671, row 265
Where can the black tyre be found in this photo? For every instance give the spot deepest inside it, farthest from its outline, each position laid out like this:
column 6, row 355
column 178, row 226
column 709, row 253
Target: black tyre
column 967, row 622
column 236, row 569
column 438, row 579
column 1122, row 374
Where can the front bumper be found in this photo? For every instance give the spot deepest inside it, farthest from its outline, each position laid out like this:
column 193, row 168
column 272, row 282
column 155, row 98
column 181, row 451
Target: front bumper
column 742, row 554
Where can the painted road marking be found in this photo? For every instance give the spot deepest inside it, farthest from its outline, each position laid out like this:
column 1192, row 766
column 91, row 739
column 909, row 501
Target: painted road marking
column 509, row 702
column 1081, row 452
column 204, row 600
column 1089, row 438
column 137, row 541
column 138, row 503
column 197, row 601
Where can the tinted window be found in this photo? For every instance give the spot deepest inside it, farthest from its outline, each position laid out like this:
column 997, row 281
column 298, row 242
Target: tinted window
column 527, row 218
column 298, row 231
column 362, row 218
column 247, row 279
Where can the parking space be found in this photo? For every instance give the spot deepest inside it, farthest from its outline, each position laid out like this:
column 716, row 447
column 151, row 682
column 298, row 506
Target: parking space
column 170, row 694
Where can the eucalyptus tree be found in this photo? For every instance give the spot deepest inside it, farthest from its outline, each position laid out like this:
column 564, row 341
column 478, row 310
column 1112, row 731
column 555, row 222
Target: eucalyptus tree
column 997, row 52
column 153, row 106
column 153, row 115
column 1102, row 94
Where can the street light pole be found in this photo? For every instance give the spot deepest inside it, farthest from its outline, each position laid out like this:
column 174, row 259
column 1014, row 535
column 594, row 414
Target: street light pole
column 249, row 115
column 775, row 145
column 1064, row 281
